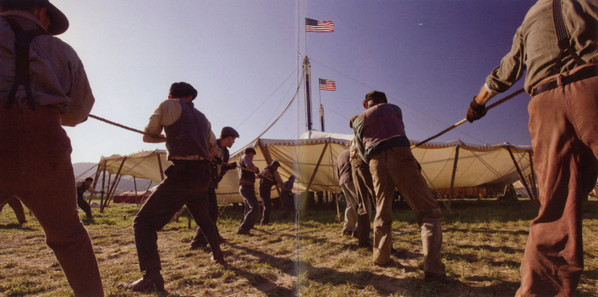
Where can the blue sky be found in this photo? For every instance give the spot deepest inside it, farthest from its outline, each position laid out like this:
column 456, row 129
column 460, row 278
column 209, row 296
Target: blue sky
column 244, row 57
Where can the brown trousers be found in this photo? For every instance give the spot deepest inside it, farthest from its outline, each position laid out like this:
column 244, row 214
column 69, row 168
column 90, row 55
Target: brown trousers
column 35, row 165
column 364, row 190
column 564, row 129
column 396, row 167
column 16, row 206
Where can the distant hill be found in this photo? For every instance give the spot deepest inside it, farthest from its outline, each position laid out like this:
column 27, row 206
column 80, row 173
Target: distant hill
column 84, row 169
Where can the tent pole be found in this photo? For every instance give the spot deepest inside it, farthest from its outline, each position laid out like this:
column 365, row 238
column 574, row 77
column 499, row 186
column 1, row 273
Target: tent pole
column 533, row 173
column 95, row 182
column 531, row 195
column 160, row 165
column 135, row 187
column 448, row 207
column 334, row 176
column 116, row 181
column 316, row 169
column 103, row 183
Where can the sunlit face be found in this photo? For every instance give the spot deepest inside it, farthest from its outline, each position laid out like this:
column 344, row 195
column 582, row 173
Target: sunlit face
column 228, row 141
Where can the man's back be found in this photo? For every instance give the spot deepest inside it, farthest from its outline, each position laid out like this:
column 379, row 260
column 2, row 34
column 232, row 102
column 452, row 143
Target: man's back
column 58, row 78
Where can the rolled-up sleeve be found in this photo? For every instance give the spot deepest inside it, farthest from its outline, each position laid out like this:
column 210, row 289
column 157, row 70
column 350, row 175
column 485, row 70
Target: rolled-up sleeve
column 166, row 114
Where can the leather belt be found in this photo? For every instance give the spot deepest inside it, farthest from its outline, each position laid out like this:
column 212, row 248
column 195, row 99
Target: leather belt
column 188, row 158
column 579, row 75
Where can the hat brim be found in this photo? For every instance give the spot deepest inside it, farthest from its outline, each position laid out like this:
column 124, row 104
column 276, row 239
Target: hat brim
column 58, row 21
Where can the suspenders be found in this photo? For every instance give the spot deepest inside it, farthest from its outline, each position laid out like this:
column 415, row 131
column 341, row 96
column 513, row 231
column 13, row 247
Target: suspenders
column 22, row 41
column 562, row 34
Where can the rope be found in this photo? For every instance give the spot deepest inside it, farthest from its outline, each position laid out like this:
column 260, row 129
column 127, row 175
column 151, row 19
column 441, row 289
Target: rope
column 117, row 124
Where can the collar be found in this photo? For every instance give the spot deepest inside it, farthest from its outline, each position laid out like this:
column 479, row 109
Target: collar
column 22, row 14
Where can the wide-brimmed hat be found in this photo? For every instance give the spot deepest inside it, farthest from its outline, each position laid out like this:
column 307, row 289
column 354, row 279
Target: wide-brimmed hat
column 58, row 21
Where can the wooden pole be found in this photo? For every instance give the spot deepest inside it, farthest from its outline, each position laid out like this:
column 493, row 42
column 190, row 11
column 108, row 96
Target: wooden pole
column 531, row 195
column 459, row 123
column 453, row 179
column 160, row 165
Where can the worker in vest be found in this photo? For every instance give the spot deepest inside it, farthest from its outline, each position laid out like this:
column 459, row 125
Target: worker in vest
column 247, row 172
column 219, row 166
column 83, row 186
column 190, row 144
column 381, row 139
column 287, row 198
column 43, row 86
column 561, row 75
column 267, row 180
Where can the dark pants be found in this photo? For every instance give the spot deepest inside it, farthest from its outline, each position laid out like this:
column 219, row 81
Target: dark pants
column 17, row 207
column 250, row 210
column 35, row 165
column 84, row 205
column 186, row 184
column 265, row 194
column 200, row 239
column 289, row 204
column 564, row 129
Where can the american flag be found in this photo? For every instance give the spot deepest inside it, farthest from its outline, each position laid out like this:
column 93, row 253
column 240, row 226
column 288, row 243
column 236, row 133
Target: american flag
column 327, row 85
column 318, row 26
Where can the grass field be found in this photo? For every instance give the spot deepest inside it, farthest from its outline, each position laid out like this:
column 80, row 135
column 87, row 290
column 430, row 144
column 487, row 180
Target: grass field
column 483, row 246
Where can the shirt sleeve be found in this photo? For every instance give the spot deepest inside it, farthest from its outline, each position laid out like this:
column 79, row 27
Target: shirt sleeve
column 212, row 145
column 511, row 69
column 166, row 114
column 358, row 130
column 82, row 99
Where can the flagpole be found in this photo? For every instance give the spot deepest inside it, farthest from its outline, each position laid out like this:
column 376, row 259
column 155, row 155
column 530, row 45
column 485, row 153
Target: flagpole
column 307, row 71
column 321, row 107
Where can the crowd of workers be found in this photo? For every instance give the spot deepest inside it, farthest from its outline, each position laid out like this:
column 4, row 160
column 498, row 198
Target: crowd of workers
column 43, row 86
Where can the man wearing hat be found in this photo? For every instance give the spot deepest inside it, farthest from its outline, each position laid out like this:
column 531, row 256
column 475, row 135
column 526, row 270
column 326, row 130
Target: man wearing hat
column 247, row 172
column 381, row 140
column 220, row 166
column 82, row 187
column 190, row 144
column 267, row 180
column 43, row 85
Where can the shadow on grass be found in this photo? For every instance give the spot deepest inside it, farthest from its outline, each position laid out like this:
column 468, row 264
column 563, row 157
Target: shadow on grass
column 261, row 283
column 17, row 226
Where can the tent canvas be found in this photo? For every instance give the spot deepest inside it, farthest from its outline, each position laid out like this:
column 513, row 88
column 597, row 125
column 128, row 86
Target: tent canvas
column 312, row 159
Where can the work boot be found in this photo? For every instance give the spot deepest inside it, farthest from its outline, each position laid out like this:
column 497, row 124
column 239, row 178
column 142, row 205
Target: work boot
column 217, row 255
column 151, row 281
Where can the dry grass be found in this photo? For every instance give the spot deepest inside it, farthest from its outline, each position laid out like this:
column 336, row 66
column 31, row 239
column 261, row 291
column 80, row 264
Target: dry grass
column 483, row 245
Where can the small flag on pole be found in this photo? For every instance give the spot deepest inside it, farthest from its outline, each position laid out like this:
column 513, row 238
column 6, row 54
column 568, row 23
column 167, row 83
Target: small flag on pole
column 318, row 26
column 327, row 85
